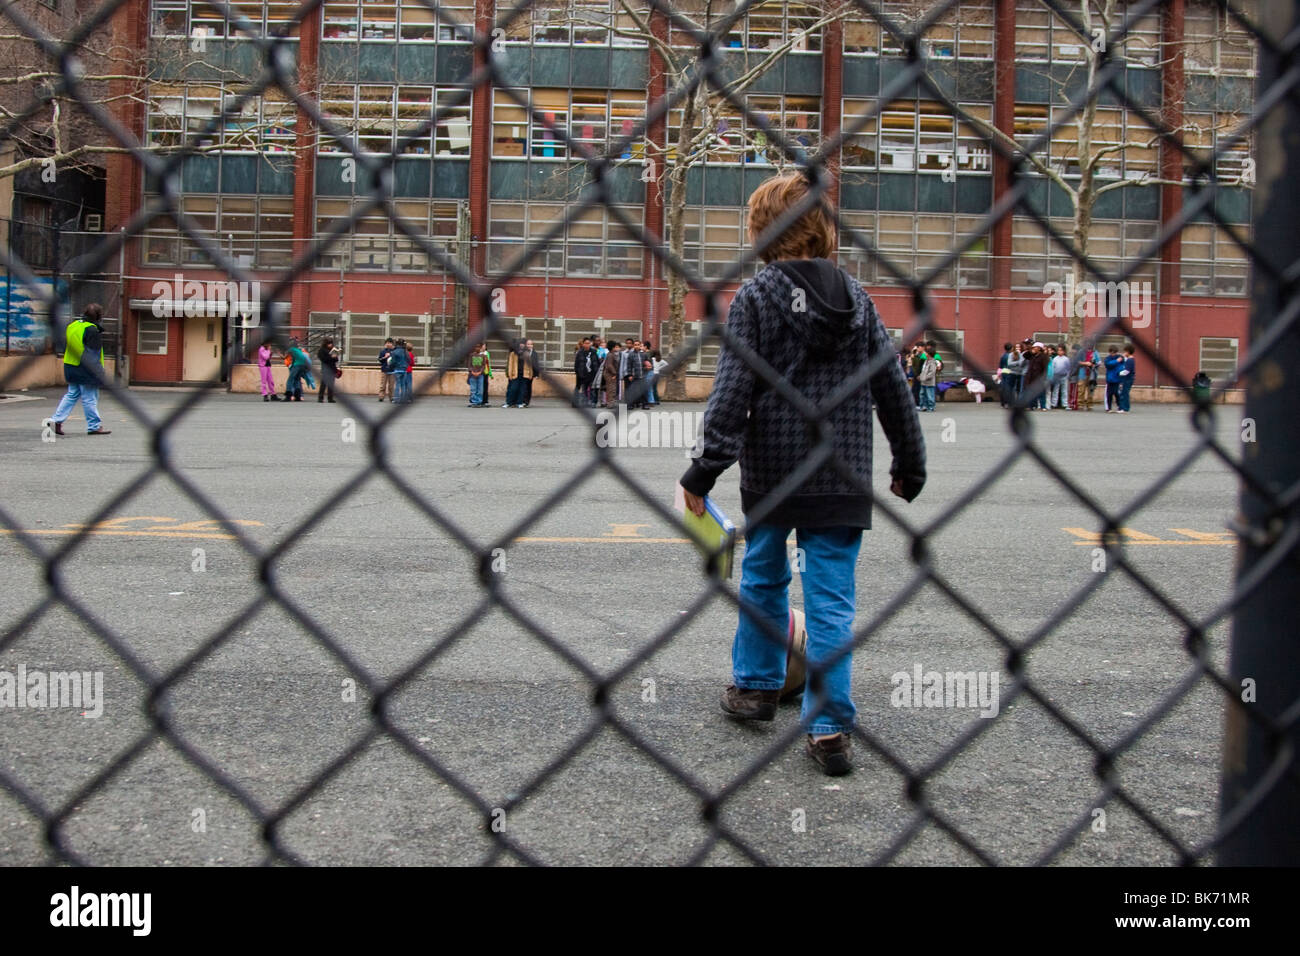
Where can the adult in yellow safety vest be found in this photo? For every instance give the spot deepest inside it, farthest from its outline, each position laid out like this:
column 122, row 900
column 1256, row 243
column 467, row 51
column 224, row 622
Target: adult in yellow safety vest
column 83, row 369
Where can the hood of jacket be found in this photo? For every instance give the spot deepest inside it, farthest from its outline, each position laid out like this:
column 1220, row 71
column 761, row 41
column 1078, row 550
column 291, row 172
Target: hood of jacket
column 830, row 311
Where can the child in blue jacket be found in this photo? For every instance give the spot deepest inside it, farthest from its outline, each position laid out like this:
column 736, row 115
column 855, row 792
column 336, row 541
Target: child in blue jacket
column 1114, row 365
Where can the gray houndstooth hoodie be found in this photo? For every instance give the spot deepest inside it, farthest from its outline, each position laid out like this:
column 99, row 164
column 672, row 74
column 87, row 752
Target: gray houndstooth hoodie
column 817, row 350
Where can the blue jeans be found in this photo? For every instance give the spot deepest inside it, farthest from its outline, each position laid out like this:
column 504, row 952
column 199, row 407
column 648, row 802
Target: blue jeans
column 1125, row 387
column 927, row 398
column 1057, row 392
column 519, row 391
column 293, row 384
column 476, row 383
column 831, row 557
column 402, row 387
column 88, row 395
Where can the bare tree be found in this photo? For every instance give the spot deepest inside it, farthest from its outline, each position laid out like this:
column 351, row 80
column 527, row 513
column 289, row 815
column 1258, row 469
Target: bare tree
column 705, row 125
column 51, row 129
column 694, row 129
column 1085, row 165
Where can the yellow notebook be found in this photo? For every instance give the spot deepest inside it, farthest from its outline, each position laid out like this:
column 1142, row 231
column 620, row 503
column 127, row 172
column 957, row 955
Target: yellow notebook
column 713, row 533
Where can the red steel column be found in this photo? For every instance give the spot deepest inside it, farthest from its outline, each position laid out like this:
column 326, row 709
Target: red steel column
column 304, row 163
column 124, row 177
column 480, row 158
column 1173, row 94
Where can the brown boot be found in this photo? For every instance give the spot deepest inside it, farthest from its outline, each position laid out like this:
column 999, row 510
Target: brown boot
column 750, row 704
column 833, row 754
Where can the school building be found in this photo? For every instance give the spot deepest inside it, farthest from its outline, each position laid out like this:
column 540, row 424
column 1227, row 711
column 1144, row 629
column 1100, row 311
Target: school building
column 486, row 177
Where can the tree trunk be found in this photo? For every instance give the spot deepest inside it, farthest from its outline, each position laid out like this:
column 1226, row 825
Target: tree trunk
column 1086, row 197
column 674, row 338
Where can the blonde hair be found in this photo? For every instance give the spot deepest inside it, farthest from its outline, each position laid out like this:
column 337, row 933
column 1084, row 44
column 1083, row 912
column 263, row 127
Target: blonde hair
column 812, row 235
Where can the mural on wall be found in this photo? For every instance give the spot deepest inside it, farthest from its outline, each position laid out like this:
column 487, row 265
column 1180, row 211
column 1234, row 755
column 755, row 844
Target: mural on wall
column 26, row 317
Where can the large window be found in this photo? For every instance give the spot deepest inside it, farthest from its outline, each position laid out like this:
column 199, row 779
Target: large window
column 594, row 244
column 715, row 238
column 964, row 31
column 408, row 20
column 1214, row 42
column 380, row 117
column 767, row 26
column 150, row 336
column 595, row 118
column 579, row 22
column 1113, row 244
column 911, row 135
column 374, row 243
column 1219, row 359
column 1044, row 37
column 1126, row 145
column 728, row 135
column 190, row 18
column 208, row 116
column 1215, row 133
column 254, row 231
column 914, row 243
column 1213, row 265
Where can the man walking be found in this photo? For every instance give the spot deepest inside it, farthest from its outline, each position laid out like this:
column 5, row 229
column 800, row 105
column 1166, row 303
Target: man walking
column 83, row 370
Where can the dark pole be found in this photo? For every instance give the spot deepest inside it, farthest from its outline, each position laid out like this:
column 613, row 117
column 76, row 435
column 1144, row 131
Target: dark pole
column 1265, row 658
column 60, row 317
column 9, row 247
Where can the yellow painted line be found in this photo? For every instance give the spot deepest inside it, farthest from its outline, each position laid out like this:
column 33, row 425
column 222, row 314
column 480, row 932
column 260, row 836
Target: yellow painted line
column 1207, row 537
column 99, row 532
column 1127, row 537
column 163, row 527
column 1194, row 544
column 605, row 540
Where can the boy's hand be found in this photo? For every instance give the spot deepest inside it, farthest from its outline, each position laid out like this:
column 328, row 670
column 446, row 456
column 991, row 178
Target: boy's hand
column 907, row 487
column 694, row 503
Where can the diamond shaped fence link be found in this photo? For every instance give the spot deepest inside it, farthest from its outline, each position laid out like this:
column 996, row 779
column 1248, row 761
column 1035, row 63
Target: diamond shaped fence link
column 1273, row 531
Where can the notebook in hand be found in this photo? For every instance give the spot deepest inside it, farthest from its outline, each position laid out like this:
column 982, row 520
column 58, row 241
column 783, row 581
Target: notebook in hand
column 712, row 532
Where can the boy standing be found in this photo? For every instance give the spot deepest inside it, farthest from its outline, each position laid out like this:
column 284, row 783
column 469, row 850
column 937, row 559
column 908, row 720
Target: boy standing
column 838, row 336
column 399, row 361
column 1126, row 372
column 929, row 377
column 477, row 376
column 1058, row 389
column 386, row 373
column 1114, row 365
column 609, row 375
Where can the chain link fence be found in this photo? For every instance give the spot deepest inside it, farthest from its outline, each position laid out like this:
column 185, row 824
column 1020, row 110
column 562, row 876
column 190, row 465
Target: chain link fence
column 1260, row 780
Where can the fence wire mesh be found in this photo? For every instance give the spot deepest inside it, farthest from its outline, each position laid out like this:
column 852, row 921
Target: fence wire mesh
column 277, row 70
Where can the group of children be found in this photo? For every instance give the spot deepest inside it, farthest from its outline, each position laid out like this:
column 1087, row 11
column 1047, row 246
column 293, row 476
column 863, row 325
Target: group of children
column 922, row 367
column 1047, row 377
column 608, row 375
column 299, row 363
column 397, row 362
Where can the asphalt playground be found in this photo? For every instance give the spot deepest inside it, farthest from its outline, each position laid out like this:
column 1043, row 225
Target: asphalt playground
column 378, row 584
